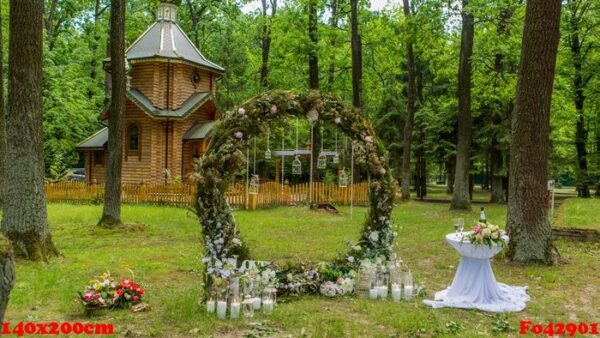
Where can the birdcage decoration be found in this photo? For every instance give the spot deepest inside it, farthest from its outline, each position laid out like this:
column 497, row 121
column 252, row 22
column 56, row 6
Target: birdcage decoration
column 336, row 158
column 268, row 151
column 254, row 185
column 322, row 161
column 297, row 166
column 343, row 179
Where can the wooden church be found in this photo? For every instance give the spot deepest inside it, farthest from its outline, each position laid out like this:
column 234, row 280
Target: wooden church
column 170, row 107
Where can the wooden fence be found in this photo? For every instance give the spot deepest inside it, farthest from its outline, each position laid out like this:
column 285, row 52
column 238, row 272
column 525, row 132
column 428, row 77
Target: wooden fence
column 181, row 194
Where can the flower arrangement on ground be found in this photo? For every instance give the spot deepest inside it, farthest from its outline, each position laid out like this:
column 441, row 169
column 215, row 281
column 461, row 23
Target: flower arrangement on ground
column 486, row 234
column 103, row 292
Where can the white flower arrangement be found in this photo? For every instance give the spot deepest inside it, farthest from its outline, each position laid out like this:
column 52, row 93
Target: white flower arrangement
column 343, row 286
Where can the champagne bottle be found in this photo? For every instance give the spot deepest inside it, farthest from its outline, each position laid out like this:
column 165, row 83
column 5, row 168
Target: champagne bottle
column 482, row 218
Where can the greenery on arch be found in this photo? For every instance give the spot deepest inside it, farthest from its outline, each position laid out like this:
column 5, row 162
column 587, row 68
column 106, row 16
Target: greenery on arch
column 216, row 170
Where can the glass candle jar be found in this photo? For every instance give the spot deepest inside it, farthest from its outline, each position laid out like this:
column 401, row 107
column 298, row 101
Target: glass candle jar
column 248, row 306
column 222, row 306
column 408, row 285
column 211, row 305
column 268, row 299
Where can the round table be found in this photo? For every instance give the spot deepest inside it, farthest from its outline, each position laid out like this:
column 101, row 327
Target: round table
column 474, row 285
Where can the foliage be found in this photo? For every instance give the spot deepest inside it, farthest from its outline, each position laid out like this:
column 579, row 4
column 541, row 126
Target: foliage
column 453, row 327
column 229, row 34
column 501, row 324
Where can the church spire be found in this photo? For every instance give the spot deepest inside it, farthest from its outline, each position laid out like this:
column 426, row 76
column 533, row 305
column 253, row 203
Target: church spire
column 167, row 11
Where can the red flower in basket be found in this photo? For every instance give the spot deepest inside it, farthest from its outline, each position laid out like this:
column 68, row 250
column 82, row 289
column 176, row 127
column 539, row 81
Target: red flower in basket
column 126, row 283
column 136, row 299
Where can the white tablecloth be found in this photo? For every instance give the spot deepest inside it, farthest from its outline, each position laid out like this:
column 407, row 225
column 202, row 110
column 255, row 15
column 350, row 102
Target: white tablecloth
column 474, row 285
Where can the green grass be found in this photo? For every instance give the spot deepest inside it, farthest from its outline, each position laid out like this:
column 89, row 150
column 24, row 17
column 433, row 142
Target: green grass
column 579, row 213
column 165, row 257
column 439, row 191
column 480, row 195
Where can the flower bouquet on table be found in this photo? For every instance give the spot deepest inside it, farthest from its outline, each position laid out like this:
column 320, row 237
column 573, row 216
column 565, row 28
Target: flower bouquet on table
column 485, row 234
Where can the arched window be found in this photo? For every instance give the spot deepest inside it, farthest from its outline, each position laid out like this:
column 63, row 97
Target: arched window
column 134, row 140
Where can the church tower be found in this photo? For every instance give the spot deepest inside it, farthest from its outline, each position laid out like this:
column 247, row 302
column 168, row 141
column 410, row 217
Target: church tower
column 170, row 106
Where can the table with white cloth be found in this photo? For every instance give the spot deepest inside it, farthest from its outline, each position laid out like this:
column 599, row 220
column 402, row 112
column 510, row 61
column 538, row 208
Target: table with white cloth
column 474, row 285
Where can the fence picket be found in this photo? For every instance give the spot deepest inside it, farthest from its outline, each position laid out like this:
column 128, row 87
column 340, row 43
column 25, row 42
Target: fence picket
column 182, row 194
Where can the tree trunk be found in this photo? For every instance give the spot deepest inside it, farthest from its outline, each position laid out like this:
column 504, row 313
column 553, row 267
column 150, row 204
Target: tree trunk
column 451, row 165
column 498, row 192
column 333, row 21
column 421, row 167
column 111, row 216
column 527, row 222
column 95, row 45
column 195, row 21
column 460, row 197
column 7, row 274
column 49, row 23
column 2, row 114
column 356, row 45
column 313, row 80
column 575, row 15
column 25, row 221
column 313, row 34
column 598, row 159
column 410, row 108
column 266, row 42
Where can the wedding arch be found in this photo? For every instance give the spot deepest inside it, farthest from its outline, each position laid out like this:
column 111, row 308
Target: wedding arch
column 225, row 157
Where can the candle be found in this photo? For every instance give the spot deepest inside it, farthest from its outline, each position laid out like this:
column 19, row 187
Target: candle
column 210, row 306
column 408, row 292
column 396, row 293
column 256, row 303
column 383, row 290
column 373, row 293
column 221, row 309
column 268, row 306
column 234, row 312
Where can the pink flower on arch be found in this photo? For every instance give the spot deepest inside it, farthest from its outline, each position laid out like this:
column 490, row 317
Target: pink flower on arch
column 242, row 111
column 238, row 134
column 273, row 109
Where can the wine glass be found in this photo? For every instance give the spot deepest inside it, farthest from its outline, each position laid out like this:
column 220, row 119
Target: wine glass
column 459, row 225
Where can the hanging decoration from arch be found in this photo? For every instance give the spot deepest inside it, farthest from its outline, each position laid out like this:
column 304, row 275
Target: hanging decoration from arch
column 224, row 158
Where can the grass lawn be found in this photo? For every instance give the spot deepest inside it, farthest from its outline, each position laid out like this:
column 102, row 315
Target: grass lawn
column 579, row 213
column 165, row 254
column 439, row 191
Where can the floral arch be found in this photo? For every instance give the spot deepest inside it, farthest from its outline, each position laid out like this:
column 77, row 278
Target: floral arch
column 216, row 170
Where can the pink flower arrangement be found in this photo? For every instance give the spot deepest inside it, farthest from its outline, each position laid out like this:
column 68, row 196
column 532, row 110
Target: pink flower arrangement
column 488, row 234
column 103, row 292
